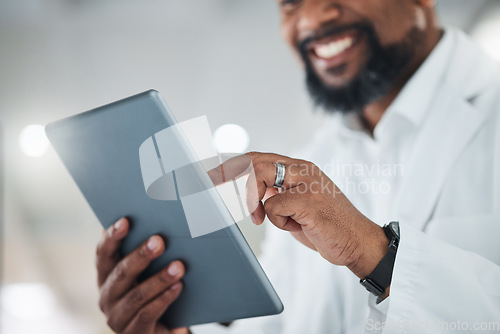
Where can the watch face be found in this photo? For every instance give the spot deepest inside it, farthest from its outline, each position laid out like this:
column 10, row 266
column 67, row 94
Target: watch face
column 394, row 226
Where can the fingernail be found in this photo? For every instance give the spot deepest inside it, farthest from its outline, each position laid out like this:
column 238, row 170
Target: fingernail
column 175, row 286
column 174, row 269
column 153, row 244
column 119, row 224
column 253, row 218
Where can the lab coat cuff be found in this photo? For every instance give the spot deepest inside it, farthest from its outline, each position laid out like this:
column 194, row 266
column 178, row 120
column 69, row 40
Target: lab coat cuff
column 404, row 282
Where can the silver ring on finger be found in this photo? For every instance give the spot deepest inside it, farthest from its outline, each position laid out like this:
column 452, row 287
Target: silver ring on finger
column 280, row 175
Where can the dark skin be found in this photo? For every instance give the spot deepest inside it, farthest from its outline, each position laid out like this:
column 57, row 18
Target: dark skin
column 132, row 308
column 336, row 229
column 392, row 20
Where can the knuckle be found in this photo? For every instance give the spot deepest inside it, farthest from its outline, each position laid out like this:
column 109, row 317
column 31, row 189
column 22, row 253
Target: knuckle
column 103, row 250
column 259, row 167
column 115, row 324
column 137, row 296
column 99, row 251
column 142, row 252
column 269, row 206
column 253, row 154
column 102, row 305
column 111, row 324
column 170, row 296
column 121, row 271
column 301, row 169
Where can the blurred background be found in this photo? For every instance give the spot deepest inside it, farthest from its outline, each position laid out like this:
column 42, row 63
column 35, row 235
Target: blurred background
column 220, row 58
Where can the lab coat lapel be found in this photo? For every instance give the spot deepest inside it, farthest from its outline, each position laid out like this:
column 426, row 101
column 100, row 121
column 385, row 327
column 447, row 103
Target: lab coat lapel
column 444, row 134
column 438, row 146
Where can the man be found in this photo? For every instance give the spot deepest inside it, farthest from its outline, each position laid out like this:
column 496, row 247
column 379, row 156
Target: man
column 414, row 137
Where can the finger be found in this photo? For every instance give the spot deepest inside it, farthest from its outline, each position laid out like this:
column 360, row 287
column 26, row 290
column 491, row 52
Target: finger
column 124, row 274
column 235, row 168
column 127, row 307
column 254, row 204
column 243, row 164
column 253, row 189
column 231, row 169
column 263, row 176
column 259, row 214
column 296, row 171
column 146, row 320
column 107, row 254
column 270, row 192
column 289, row 210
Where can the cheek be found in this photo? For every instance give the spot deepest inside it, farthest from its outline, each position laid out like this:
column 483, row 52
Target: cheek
column 396, row 24
column 421, row 20
column 289, row 35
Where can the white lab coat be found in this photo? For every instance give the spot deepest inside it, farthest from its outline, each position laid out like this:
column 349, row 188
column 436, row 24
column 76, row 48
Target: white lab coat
column 444, row 130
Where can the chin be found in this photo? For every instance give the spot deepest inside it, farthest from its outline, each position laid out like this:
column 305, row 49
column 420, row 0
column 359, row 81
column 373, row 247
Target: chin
column 338, row 77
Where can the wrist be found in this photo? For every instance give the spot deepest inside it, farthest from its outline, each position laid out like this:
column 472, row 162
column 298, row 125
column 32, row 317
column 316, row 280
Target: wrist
column 371, row 252
column 379, row 280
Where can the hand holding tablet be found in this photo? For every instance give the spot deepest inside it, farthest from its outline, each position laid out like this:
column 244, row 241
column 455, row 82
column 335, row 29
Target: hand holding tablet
column 131, row 307
column 220, row 280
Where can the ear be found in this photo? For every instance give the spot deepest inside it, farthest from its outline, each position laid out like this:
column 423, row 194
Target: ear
column 426, row 3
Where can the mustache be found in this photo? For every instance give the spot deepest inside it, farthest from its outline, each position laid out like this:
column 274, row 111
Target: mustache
column 363, row 27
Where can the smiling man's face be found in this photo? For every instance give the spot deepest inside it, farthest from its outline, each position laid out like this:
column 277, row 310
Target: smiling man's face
column 353, row 51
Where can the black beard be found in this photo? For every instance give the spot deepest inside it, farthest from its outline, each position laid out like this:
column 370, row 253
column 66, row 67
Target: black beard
column 376, row 78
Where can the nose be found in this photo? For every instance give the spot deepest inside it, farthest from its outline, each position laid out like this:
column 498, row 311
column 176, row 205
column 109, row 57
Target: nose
column 316, row 13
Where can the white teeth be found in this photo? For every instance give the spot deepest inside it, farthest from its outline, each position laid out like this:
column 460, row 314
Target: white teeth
column 333, row 48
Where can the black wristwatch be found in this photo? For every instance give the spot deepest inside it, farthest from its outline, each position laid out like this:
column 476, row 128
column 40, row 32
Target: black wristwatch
column 380, row 278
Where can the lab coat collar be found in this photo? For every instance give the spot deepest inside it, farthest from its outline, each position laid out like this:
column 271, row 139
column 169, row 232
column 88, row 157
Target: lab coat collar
column 416, row 96
column 450, row 124
column 408, row 104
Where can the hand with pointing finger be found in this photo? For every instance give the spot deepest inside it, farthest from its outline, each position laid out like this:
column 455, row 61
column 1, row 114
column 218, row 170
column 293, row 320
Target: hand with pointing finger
column 310, row 207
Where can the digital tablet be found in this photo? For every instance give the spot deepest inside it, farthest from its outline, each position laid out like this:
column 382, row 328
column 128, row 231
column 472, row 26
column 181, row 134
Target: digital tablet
column 111, row 155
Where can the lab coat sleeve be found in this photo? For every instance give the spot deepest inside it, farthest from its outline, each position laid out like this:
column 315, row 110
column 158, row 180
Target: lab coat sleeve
column 438, row 288
column 448, row 279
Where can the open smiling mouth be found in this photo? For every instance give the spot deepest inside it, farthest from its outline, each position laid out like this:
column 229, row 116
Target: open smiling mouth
column 334, row 50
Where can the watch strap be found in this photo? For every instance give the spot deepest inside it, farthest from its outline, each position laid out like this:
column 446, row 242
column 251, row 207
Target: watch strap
column 380, row 278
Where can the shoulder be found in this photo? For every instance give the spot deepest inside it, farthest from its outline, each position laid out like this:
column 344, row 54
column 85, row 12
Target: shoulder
column 473, row 76
column 472, row 72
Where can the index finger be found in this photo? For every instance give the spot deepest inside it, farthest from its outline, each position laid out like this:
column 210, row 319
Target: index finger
column 262, row 170
column 107, row 254
column 231, row 169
